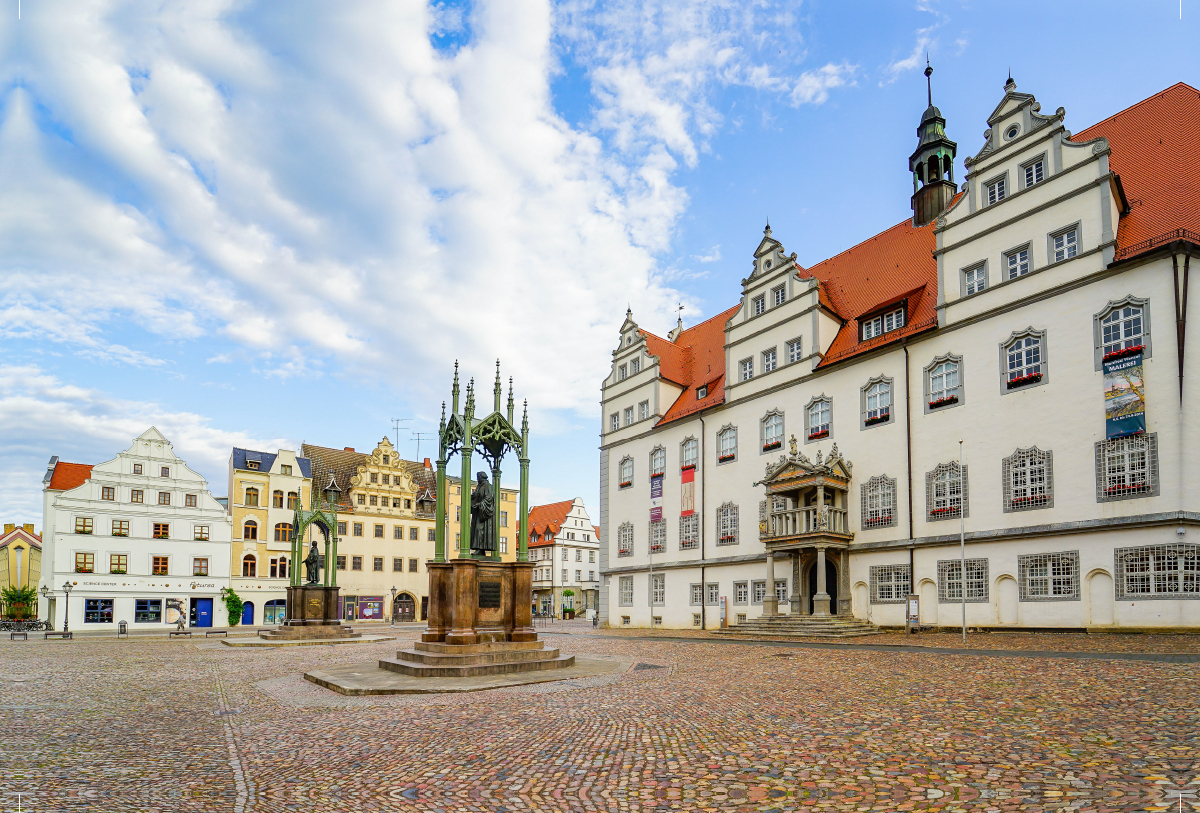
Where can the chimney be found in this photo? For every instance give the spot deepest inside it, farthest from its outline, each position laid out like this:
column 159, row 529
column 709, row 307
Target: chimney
column 28, row 527
column 349, row 449
column 8, row 526
column 428, row 465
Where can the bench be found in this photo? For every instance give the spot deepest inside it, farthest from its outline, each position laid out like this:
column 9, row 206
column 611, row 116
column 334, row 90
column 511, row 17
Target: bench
column 225, row 633
column 184, row 633
column 53, row 634
column 12, row 636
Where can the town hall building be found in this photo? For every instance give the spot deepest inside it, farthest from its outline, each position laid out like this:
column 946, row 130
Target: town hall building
column 798, row 455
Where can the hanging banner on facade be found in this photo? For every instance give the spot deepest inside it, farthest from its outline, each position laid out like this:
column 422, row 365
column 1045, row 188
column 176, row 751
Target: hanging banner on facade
column 656, row 497
column 687, row 499
column 1124, row 397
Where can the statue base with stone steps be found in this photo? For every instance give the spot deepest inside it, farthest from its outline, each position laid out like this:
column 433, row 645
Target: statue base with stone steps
column 427, row 659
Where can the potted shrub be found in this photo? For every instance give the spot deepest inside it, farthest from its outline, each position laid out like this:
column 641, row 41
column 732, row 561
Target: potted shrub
column 568, row 612
column 19, row 602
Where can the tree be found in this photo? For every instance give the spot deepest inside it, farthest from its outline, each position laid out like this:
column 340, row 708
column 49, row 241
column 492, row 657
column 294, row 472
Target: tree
column 18, row 601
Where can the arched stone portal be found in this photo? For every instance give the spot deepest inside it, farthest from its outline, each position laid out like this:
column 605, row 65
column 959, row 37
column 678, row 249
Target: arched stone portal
column 831, row 587
column 405, row 608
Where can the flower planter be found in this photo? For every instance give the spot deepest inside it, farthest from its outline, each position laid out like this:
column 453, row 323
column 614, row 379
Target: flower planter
column 819, row 435
column 688, row 467
column 941, row 402
column 1021, row 381
column 944, row 512
column 725, row 540
column 120, row 533
column 770, row 447
column 116, row 572
column 878, row 522
column 1128, row 351
column 83, row 570
column 877, row 419
column 626, row 484
column 726, row 458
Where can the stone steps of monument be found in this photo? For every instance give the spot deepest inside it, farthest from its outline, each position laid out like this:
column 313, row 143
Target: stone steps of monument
column 803, row 627
column 472, row 649
column 405, row 667
column 475, row 658
column 309, row 632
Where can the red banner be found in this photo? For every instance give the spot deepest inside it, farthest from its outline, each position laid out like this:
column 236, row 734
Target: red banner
column 687, row 499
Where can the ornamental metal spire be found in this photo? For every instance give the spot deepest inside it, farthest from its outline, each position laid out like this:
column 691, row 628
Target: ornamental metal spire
column 510, row 400
column 498, row 390
column 928, row 81
column 454, row 390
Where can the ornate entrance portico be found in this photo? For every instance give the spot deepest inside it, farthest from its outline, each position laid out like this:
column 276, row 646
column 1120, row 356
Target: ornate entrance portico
column 804, row 518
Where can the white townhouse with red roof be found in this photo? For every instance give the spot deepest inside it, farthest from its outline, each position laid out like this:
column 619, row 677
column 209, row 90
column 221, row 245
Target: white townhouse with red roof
column 564, row 547
column 792, row 464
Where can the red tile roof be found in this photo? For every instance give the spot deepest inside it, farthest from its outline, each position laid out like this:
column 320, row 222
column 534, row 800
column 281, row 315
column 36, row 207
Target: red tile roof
column 1154, row 147
column 898, row 264
column 543, row 518
column 34, row 540
column 69, row 475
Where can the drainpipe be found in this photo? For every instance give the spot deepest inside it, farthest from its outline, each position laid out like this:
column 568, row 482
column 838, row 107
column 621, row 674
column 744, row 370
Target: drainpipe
column 908, row 457
column 703, row 509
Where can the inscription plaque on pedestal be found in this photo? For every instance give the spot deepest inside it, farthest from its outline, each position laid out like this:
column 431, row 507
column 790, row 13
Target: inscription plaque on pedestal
column 489, row 595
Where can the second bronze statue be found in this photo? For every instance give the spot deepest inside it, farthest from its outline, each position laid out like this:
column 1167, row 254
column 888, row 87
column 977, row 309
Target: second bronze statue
column 483, row 516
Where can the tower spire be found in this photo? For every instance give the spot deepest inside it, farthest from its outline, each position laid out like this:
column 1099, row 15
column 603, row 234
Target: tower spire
column 928, row 81
column 932, row 163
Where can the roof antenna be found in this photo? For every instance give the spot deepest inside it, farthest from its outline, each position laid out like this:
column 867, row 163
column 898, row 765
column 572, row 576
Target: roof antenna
column 928, row 82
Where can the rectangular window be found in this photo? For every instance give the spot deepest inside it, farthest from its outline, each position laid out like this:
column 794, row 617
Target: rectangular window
column 356, row 563
column 358, row 529
column 758, row 305
column 432, row 535
column 397, row 565
column 135, row 495
column 741, row 592
column 712, row 592
column 85, row 562
column 158, row 565
column 362, row 499
column 883, row 323
column 795, row 350
column 889, row 584
column 625, row 539
column 696, row 593
column 164, row 498
column 1049, row 576
column 397, row 532
column 1158, row 571
column 414, row 565
column 375, row 500
column 118, row 563
column 285, row 470
column 374, row 477
column 996, row 191
column 614, row 422
column 623, row 372
column 147, row 611
column 658, row 536
column 1122, row 329
column 1066, row 245
column 1034, row 172
column 200, row 567
column 120, row 527
column 1024, row 360
column 200, row 533
column 769, row 360
column 778, row 295
column 629, row 416
column 974, row 280
column 634, row 366
column 1017, row 263
column 377, row 564
column 83, row 525
column 341, row 529
column 162, row 530
column 945, row 488
column 591, row 555
column 414, row 533
column 108, row 493
column 819, row 416
column 878, row 503
column 341, row 562
column 746, row 369
column 97, row 610
column 137, row 468
column 643, row 410
column 781, row 593
column 689, row 532
column 503, row 519
column 727, row 525
column 658, row 588
column 165, row 471
column 943, row 383
column 1127, row 467
column 626, row 591
column 950, row 582
column 759, row 591
column 1028, row 480
column 379, row 532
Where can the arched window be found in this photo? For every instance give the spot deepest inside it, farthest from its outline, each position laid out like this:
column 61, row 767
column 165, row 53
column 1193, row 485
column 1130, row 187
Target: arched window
column 944, row 382
column 1024, row 355
column 277, row 499
column 934, row 175
column 727, row 444
column 921, row 173
column 879, row 402
column 658, row 461
column 283, row 532
column 1121, row 329
column 947, row 168
column 727, row 524
column 249, row 565
column 283, row 571
column 625, row 539
column 689, row 454
column 772, row 431
column 252, row 496
column 293, row 501
column 250, row 530
column 819, row 417
column 1028, row 480
column 625, row 473
column 879, row 502
column 946, row 492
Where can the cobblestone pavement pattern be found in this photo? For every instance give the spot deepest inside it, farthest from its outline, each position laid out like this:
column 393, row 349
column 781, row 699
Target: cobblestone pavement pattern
column 155, row 725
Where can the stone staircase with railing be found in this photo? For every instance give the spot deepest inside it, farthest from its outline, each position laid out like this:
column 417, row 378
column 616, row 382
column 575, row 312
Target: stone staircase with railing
column 802, row 626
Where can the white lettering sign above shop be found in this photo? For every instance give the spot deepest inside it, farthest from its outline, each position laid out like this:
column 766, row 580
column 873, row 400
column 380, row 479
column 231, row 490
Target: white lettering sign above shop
column 98, row 584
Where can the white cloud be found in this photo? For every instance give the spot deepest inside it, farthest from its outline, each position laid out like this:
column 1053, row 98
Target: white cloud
column 712, row 256
column 913, row 60
column 41, row 415
column 812, row 87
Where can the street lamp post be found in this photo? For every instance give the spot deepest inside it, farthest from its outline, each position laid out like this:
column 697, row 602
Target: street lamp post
column 393, row 608
column 962, row 542
column 67, row 608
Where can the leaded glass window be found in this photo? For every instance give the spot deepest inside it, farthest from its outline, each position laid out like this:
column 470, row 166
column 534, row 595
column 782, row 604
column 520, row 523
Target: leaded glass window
column 950, row 581
column 625, row 539
column 1049, row 576
column 1127, row 467
column 689, row 532
column 1028, row 480
column 1122, row 329
column 878, row 502
column 727, row 524
column 1158, row 571
column 889, row 584
column 658, row 536
column 945, row 490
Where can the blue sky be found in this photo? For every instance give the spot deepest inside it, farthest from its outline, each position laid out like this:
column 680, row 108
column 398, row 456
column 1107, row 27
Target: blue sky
column 264, row 223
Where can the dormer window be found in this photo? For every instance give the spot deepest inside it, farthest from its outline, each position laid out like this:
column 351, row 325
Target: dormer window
column 287, row 470
column 883, row 323
column 252, row 464
column 701, row 392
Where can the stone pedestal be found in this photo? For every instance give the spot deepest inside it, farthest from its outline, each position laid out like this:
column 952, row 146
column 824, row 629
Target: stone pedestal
column 476, row 601
column 770, row 606
column 312, row 612
column 821, row 604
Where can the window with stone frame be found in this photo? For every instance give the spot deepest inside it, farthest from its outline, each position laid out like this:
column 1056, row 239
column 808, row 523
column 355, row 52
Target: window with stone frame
column 770, row 360
column 658, row 536
column 879, row 502
column 1016, row 262
column 695, row 595
column 781, row 591
column 758, row 591
column 689, row 453
column 950, row 582
column 727, row 444
column 1048, row 576
column 758, row 305
column 795, row 350
column 1023, row 360
column 614, row 422
column 746, row 369
column 629, row 416
column 947, row 493
column 877, row 402
column 818, row 418
column 1064, row 244
column 943, row 383
column 689, row 532
column 658, row 589
column 1028, row 480
column 643, row 410
column 1127, row 468
column 625, row 473
column 727, row 524
column 778, row 296
column 1157, row 571
column 658, row 461
column 741, row 592
column 772, row 431
column 712, row 592
column 974, row 279
column 1034, row 172
column 625, row 589
column 1122, row 329
column 625, row 539
column 889, row 584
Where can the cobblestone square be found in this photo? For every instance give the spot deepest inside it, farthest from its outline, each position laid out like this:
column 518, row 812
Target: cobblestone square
column 97, row 724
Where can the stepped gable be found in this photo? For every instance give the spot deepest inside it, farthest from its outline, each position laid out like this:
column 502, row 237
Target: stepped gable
column 69, row 475
column 342, row 464
column 695, row 359
column 543, row 518
column 1154, row 147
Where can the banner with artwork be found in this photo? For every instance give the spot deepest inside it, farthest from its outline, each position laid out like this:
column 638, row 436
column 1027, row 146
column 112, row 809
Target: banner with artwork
column 1124, row 397
column 656, row 497
column 687, row 499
